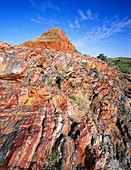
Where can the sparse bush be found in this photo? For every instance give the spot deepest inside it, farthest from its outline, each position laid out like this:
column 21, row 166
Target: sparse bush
column 51, row 161
column 102, row 57
column 78, row 100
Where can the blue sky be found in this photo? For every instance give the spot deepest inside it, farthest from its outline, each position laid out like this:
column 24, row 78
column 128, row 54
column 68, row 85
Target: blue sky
column 93, row 26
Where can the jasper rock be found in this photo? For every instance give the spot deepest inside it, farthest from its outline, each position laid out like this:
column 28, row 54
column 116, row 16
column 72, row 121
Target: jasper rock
column 54, row 39
column 11, row 66
column 61, row 110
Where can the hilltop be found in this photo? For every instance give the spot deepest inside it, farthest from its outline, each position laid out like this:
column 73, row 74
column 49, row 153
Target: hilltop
column 54, row 39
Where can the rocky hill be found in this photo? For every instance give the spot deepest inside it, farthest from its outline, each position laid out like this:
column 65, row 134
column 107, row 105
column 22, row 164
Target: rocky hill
column 62, row 110
column 54, row 39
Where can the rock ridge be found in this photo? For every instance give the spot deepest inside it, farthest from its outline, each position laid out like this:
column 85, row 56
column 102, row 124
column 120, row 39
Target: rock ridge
column 62, row 110
column 54, row 39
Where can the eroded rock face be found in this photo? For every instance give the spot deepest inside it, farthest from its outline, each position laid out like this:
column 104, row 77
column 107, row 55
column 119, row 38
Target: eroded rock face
column 54, row 39
column 11, row 66
column 61, row 110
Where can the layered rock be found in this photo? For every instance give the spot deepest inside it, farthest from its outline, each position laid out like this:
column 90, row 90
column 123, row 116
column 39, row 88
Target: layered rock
column 54, row 39
column 61, row 110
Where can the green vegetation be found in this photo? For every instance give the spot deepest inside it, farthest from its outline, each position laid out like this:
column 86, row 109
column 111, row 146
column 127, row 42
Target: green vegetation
column 51, row 162
column 102, row 57
column 72, row 97
column 78, row 100
column 121, row 63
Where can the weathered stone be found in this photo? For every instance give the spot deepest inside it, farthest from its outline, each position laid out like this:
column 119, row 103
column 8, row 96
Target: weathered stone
column 61, row 110
column 54, row 39
column 11, row 66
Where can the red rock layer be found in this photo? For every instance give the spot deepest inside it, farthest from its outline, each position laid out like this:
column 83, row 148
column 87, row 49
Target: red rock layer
column 62, row 111
column 54, row 39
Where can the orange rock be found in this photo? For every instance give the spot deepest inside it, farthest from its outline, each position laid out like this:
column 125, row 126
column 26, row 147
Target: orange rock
column 54, row 39
column 60, row 101
column 86, row 80
column 61, row 110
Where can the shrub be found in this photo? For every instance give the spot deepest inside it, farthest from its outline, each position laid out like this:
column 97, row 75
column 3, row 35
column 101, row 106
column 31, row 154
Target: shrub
column 102, row 57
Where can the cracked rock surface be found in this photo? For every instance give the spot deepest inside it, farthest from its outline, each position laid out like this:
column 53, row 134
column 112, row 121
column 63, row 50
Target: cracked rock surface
column 62, row 110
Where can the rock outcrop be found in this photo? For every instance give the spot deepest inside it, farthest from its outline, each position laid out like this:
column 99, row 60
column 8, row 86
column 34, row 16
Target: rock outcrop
column 54, row 39
column 61, row 110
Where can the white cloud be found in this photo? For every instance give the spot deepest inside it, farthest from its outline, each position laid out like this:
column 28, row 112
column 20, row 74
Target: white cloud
column 87, row 15
column 71, row 25
column 48, row 20
column 48, row 4
column 17, row 30
column 42, row 20
column 109, row 28
column 35, row 20
column 77, row 23
column 44, row 5
column 82, row 15
column 74, row 25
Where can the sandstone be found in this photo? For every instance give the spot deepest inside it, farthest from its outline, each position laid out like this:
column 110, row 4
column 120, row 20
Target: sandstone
column 62, row 110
